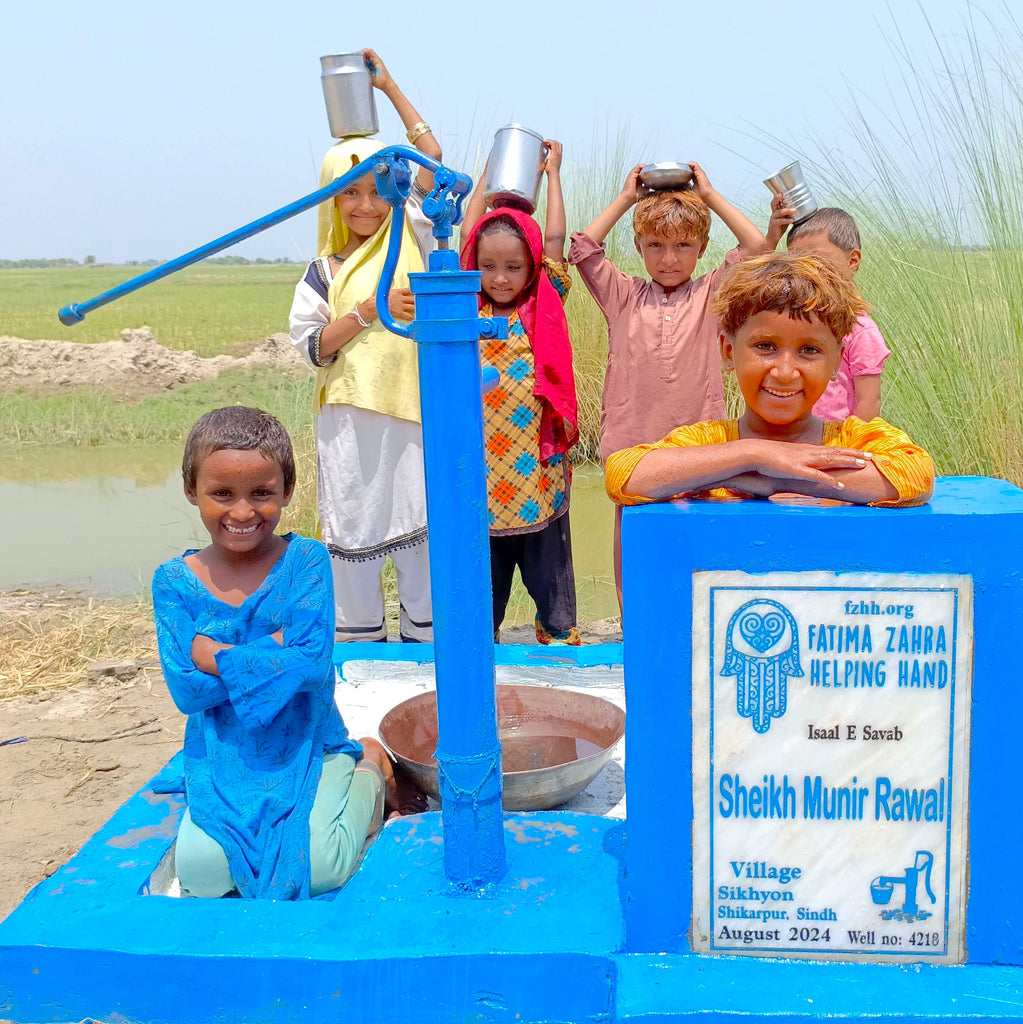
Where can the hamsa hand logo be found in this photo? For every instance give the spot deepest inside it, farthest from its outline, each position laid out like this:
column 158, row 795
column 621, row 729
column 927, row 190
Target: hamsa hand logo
column 761, row 651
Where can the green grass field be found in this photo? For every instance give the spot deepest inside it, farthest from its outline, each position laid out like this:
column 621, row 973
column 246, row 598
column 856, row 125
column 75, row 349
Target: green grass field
column 207, row 307
column 942, row 271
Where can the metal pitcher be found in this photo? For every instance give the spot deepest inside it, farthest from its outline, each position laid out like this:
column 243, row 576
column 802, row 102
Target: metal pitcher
column 515, row 167
column 348, row 93
column 789, row 184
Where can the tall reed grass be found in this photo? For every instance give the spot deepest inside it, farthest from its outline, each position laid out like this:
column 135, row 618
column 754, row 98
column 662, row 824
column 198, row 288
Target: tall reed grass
column 934, row 178
column 935, row 181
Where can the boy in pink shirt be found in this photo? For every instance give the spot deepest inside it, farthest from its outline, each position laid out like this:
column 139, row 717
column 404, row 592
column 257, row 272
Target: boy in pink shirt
column 855, row 389
column 663, row 367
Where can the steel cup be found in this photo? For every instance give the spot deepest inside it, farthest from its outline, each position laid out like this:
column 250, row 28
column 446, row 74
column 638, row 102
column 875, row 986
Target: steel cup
column 789, row 184
column 348, row 93
column 515, row 167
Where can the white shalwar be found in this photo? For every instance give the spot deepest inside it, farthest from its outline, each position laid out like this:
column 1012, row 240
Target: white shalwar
column 371, row 487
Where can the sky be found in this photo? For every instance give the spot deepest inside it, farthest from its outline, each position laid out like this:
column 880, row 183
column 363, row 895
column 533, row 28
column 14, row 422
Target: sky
column 134, row 131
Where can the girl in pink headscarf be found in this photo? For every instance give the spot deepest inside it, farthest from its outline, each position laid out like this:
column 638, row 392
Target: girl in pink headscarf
column 530, row 416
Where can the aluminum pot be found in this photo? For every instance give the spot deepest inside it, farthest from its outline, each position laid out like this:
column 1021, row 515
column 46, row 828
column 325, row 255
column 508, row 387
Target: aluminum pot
column 348, row 93
column 789, row 184
column 515, row 167
column 554, row 742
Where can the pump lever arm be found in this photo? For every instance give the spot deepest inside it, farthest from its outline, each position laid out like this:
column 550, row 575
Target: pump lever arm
column 455, row 183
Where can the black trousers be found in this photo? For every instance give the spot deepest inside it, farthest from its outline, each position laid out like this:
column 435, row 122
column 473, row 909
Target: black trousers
column 544, row 560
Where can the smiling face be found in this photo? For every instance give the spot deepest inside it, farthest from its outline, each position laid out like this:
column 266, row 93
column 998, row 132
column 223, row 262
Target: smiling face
column 669, row 260
column 504, row 261
column 361, row 209
column 782, row 365
column 240, row 496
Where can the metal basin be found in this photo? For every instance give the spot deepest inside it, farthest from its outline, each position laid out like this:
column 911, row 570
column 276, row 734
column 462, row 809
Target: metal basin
column 667, row 175
column 554, row 742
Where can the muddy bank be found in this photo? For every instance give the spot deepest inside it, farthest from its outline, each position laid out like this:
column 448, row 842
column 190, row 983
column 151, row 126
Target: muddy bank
column 136, row 366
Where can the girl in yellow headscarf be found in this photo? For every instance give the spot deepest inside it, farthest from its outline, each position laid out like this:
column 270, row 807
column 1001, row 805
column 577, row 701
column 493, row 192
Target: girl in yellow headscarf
column 372, row 498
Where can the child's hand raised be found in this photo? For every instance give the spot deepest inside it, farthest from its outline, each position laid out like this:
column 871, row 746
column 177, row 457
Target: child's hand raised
column 633, row 189
column 781, row 217
column 378, row 73
column 552, row 165
column 701, row 183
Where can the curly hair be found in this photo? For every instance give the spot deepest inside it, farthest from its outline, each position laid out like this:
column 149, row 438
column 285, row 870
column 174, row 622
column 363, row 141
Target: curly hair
column 672, row 215
column 803, row 285
column 239, row 428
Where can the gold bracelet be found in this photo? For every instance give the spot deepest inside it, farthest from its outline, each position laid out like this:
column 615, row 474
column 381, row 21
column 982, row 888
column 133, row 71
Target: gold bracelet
column 417, row 131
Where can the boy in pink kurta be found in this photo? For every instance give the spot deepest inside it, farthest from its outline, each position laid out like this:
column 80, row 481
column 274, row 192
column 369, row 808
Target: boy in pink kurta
column 855, row 389
column 862, row 362
column 663, row 367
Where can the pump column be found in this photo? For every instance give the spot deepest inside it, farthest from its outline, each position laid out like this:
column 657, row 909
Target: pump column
column 447, row 328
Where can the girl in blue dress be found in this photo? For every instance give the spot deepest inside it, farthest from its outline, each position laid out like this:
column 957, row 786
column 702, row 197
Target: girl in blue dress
column 280, row 800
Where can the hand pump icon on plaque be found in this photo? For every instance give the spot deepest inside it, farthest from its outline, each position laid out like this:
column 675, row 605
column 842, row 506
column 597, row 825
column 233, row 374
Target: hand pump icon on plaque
column 882, row 887
column 761, row 651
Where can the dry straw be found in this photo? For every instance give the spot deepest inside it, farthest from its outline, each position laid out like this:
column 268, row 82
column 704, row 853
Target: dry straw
column 48, row 642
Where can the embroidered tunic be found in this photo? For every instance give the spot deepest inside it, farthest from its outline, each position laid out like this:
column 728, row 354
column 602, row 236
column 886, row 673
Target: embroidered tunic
column 256, row 735
column 523, row 494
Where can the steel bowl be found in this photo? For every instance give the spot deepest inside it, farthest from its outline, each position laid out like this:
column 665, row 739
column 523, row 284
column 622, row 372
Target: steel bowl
column 554, row 742
column 667, row 175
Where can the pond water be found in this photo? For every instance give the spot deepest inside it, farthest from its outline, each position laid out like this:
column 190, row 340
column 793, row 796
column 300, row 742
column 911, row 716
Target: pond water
column 102, row 519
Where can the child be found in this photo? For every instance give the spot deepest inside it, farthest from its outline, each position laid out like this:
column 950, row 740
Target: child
column 856, row 387
column 369, row 445
column 782, row 320
column 530, row 416
column 662, row 362
column 280, row 800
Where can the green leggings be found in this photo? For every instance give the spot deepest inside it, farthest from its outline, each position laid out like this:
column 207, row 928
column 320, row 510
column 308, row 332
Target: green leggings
column 346, row 810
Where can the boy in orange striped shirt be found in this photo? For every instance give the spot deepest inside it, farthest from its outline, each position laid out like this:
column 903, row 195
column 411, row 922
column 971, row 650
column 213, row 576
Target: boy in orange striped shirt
column 782, row 316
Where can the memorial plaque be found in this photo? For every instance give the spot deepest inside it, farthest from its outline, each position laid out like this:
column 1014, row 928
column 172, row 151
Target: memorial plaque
column 831, row 720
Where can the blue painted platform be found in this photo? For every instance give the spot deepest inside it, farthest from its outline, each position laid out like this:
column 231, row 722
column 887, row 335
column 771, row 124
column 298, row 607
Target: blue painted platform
column 399, row 944
column 548, row 942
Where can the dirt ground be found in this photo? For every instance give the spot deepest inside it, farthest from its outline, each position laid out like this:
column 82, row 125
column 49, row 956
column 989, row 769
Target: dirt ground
column 136, row 366
column 90, row 745
column 57, row 788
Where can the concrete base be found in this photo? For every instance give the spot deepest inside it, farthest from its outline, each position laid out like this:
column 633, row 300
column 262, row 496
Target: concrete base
column 399, row 944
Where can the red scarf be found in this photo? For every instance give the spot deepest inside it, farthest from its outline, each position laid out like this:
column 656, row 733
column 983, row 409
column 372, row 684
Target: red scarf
column 543, row 318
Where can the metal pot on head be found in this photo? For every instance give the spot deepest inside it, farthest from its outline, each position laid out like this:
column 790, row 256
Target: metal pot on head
column 789, row 184
column 348, row 93
column 515, row 167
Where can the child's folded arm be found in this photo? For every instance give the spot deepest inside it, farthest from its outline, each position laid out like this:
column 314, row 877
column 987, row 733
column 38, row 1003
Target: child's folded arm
column 904, row 465
column 664, row 472
column 191, row 689
column 694, row 459
column 261, row 677
column 621, row 466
